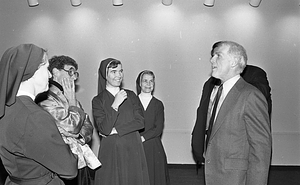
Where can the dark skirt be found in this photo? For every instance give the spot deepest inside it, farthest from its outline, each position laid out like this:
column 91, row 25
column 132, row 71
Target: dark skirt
column 156, row 162
column 85, row 177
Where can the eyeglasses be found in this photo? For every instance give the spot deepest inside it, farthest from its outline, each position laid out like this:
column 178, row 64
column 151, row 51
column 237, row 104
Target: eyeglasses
column 72, row 72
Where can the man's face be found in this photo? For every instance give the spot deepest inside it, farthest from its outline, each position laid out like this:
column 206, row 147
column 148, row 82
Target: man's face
column 68, row 72
column 221, row 63
column 114, row 76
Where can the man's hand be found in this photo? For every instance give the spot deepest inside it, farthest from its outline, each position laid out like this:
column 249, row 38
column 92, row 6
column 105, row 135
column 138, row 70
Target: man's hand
column 68, row 85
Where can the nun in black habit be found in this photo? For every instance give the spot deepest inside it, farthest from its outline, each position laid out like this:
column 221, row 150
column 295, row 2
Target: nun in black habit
column 31, row 147
column 118, row 118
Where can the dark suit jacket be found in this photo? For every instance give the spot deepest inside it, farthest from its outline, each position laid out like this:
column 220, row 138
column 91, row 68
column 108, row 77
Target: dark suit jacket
column 258, row 78
column 253, row 75
column 239, row 148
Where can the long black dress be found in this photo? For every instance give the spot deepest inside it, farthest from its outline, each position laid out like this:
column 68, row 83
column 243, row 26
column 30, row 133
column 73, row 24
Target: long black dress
column 31, row 147
column 154, row 150
column 122, row 155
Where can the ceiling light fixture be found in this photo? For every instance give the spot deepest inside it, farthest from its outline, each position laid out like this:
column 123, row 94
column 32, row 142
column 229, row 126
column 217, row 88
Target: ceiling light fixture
column 117, row 2
column 167, row 2
column 33, row 3
column 255, row 3
column 209, row 3
column 76, row 2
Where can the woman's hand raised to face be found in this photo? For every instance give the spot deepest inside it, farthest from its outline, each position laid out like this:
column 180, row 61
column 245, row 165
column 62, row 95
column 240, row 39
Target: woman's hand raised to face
column 68, row 85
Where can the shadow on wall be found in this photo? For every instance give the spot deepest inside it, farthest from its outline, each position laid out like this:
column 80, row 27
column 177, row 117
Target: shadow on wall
column 3, row 173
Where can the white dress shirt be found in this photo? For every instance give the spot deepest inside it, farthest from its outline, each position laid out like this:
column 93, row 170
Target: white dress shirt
column 227, row 85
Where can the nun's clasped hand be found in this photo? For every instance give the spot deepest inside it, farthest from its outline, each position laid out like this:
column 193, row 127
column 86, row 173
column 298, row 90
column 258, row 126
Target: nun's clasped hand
column 119, row 98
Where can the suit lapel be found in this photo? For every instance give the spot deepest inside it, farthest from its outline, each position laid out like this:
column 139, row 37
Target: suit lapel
column 229, row 101
column 210, row 86
column 207, row 94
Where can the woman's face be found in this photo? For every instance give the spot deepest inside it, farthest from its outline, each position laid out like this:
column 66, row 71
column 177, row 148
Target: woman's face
column 41, row 77
column 147, row 83
column 114, row 76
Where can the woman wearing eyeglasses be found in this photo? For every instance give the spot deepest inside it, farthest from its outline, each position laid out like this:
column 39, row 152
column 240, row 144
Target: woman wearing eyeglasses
column 73, row 123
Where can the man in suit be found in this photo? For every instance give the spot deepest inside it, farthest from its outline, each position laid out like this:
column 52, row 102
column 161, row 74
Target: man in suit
column 251, row 74
column 239, row 147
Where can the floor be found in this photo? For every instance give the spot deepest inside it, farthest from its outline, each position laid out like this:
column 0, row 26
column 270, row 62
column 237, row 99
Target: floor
column 187, row 175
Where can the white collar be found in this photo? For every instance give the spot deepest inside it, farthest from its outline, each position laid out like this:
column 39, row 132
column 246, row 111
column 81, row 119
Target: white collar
column 145, row 99
column 145, row 95
column 227, row 85
column 24, row 93
column 113, row 90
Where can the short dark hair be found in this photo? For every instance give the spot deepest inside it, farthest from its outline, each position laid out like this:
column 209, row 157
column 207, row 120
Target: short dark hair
column 59, row 62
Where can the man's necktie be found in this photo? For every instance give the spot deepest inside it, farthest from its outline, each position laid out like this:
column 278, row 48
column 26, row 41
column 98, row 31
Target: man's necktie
column 213, row 114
